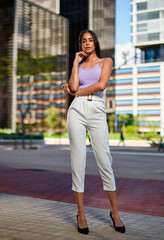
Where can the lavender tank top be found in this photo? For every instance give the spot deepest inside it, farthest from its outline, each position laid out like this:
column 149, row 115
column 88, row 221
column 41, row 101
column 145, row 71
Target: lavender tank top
column 87, row 77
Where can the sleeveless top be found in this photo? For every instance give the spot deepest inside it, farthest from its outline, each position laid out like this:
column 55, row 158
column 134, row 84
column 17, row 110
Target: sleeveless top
column 88, row 77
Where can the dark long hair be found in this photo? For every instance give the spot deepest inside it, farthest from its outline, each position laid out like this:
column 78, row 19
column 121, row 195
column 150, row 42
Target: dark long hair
column 95, row 39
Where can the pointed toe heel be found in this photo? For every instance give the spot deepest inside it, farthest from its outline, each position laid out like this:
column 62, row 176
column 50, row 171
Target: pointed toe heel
column 82, row 230
column 121, row 229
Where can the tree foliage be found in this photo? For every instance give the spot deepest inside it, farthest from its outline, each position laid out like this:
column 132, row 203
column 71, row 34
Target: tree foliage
column 111, row 122
column 28, row 65
column 5, row 70
column 123, row 120
column 53, row 120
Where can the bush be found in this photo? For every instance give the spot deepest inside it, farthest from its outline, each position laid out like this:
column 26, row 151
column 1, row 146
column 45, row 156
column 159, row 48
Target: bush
column 19, row 136
column 130, row 129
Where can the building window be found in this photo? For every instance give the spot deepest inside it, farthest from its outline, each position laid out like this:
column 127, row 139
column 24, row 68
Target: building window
column 110, row 93
column 149, row 112
column 123, row 91
column 150, row 55
column 141, row 6
column 124, row 112
column 153, row 15
column 148, row 69
column 111, row 104
column 148, row 79
column 123, row 81
column 141, row 27
column 111, row 82
column 154, row 36
column 149, row 101
column 153, row 54
column 148, row 90
column 125, row 70
column 148, row 16
column 123, row 102
column 148, row 37
column 142, row 38
column 149, row 123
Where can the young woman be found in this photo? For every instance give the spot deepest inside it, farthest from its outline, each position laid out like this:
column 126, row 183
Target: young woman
column 90, row 75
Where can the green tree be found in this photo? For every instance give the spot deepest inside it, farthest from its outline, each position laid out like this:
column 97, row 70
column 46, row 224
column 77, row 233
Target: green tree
column 5, row 73
column 53, row 120
column 132, row 127
column 5, row 70
column 111, row 122
column 140, row 121
column 28, row 68
column 123, row 120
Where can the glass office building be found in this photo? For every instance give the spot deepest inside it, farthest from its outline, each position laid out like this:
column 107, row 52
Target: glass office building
column 6, row 51
column 52, row 5
column 38, row 33
column 140, row 87
column 102, row 21
column 148, row 29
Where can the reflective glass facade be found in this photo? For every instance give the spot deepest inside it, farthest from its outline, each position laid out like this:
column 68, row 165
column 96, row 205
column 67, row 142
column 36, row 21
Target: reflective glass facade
column 41, row 36
column 153, row 53
column 103, row 23
column 40, row 30
column 149, row 5
column 52, row 5
column 6, row 51
column 77, row 13
column 43, row 33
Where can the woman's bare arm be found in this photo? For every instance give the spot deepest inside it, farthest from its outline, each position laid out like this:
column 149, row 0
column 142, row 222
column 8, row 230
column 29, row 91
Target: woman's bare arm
column 104, row 77
column 74, row 79
column 100, row 86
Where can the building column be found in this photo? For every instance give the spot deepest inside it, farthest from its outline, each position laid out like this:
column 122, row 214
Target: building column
column 14, row 70
column 135, row 90
column 162, row 98
column 57, row 10
column 90, row 15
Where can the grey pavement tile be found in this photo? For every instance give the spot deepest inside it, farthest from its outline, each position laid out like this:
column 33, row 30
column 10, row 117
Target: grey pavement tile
column 25, row 218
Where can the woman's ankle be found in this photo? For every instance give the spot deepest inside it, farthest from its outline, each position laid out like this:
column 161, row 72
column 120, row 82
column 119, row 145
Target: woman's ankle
column 81, row 214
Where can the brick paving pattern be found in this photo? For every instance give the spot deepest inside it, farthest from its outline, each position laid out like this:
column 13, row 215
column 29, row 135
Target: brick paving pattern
column 26, row 218
column 133, row 195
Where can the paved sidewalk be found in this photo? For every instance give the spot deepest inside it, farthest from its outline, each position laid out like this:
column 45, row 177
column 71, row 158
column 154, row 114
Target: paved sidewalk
column 130, row 145
column 36, row 201
column 25, row 218
column 133, row 195
column 112, row 148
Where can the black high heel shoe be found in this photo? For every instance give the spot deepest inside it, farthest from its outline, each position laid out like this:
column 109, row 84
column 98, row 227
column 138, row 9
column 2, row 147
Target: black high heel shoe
column 82, row 230
column 118, row 229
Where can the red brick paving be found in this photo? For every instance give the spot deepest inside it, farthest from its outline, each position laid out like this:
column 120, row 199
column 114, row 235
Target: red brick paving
column 133, row 195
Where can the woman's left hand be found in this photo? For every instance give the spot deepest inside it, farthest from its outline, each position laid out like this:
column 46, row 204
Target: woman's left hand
column 67, row 89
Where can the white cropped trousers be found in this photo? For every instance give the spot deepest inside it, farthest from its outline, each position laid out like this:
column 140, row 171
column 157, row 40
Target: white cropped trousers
column 91, row 116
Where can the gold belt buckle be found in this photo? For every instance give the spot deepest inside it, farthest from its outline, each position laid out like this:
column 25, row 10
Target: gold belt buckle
column 89, row 97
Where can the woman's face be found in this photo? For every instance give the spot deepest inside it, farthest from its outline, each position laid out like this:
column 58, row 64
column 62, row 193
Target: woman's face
column 87, row 43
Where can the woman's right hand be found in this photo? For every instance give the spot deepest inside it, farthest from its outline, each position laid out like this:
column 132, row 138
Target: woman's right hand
column 67, row 89
column 79, row 56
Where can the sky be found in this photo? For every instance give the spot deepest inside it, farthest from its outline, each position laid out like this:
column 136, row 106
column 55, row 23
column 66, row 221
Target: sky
column 123, row 21
column 123, row 29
